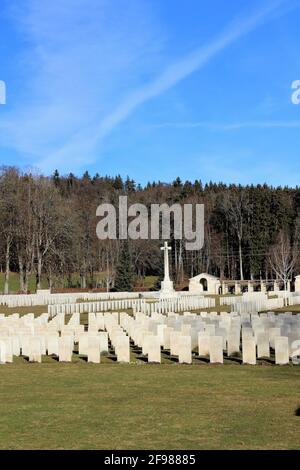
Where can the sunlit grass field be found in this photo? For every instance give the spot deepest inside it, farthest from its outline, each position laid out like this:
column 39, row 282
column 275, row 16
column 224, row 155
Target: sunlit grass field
column 142, row 406
column 14, row 284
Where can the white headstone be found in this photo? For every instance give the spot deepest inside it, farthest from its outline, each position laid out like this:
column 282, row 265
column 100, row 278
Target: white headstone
column 93, row 349
column 263, row 345
column 52, row 344
column 35, row 354
column 166, row 335
column 8, row 348
column 160, row 333
column 16, row 345
column 233, row 343
column 2, row 352
column 65, row 349
column 83, row 344
column 174, row 335
column 123, row 349
column 281, row 350
column 216, row 349
column 103, row 342
column 249, row 351
column 153, row 348
column 25, row 341
column 273, row 332
column 184, row 349
column 203, row 343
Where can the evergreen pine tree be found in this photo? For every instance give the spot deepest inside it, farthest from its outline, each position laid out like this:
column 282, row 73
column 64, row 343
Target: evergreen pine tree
column 124, row 274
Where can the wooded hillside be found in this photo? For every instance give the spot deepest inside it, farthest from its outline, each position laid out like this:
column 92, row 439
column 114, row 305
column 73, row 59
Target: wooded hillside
column 48, row 227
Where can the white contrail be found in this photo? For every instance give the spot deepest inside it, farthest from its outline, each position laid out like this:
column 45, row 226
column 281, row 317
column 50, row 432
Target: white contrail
column 229, row 126
column 88, row 138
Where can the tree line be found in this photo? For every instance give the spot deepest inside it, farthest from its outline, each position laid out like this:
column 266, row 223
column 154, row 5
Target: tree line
column 48, row 228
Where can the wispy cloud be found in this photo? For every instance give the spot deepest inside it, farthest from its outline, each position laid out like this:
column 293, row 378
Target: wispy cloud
column 229, row 126
column 84, row 66
column 77, row 60
column 172, row 74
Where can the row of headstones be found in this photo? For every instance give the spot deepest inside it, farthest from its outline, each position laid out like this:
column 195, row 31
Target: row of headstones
column 88, row 307
column 33, row 338
column 28, row 317
column 109, row 321
column 28, row 300
column 191, row 302
column 264, row 328
column 34, row 347
column 93, row 345
column 212, row 340
column 173, row 319
column 138, row 305
column 254, row 306
column 257, row 306
column 152, row 333
column 207, row 344
column 252, row 302
column 246, row 296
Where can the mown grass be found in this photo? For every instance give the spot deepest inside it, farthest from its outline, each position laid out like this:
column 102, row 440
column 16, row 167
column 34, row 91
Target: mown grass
column 14, row 282
column 289, row 308
column 115, row 406
column 36, row 310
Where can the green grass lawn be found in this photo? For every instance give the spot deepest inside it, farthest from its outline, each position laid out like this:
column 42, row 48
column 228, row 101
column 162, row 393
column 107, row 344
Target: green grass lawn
column 115, row 406
column 14, row 282
column 36, row 309
column 289, row 308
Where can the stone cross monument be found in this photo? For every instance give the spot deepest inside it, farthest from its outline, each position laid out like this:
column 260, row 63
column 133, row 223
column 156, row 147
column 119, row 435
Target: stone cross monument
column 167, row 289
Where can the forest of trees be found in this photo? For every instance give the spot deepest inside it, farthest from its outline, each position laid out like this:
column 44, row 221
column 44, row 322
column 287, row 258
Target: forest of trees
column 48, row 228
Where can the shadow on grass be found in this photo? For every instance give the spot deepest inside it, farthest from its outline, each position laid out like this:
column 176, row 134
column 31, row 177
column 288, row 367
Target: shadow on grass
column 297, row 411
column 54, row 358
column 201, row 360
column 83, row 358
column 265, row 361
column 233, row 359
column 113, row 358
column 142, row 358
column 173, row 358
column 166, row 352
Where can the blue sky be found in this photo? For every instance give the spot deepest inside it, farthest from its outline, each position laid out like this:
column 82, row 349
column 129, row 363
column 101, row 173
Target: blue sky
column 152, row 88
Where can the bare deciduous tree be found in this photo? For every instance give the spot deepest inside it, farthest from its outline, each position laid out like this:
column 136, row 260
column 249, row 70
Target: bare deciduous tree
column 9, row 182
column 283, row 257
column 236, row 206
